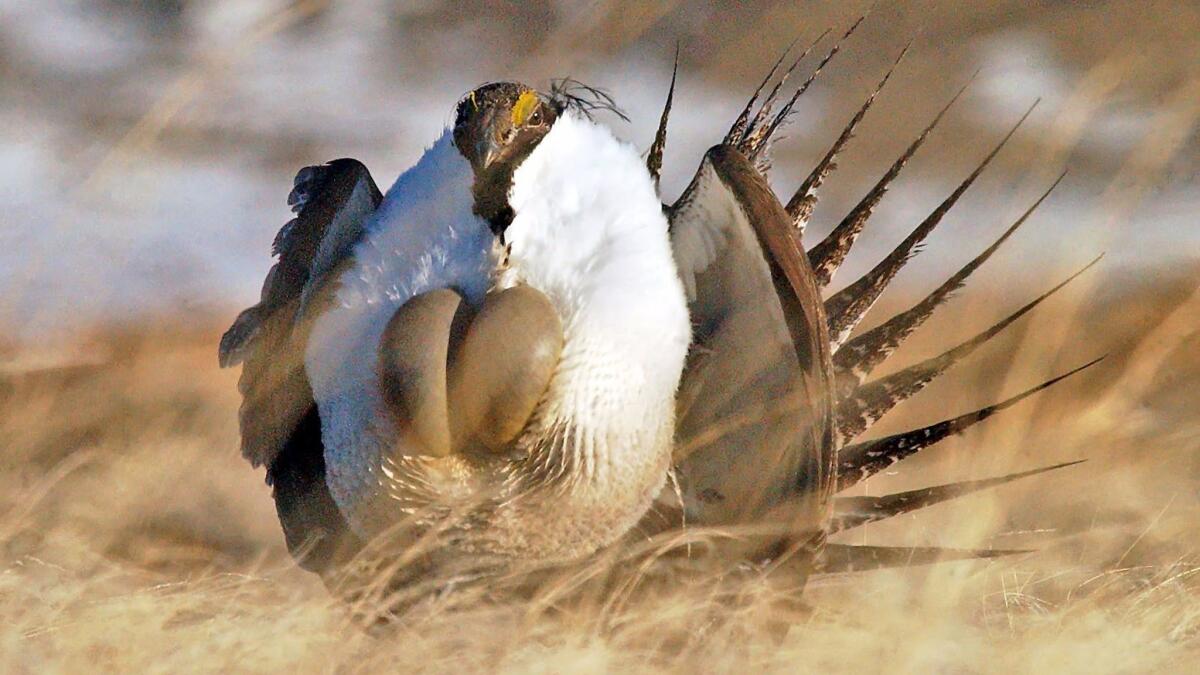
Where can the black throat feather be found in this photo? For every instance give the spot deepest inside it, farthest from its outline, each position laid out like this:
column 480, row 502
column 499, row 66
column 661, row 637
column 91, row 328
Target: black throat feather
column 486, row 111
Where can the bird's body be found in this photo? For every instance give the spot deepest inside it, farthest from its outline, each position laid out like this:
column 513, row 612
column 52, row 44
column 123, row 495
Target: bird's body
column 593, row 239
column 424, row 236
column 503, row 358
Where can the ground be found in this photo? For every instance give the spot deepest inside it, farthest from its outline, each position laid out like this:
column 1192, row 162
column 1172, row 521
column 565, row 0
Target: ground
column 133, row 538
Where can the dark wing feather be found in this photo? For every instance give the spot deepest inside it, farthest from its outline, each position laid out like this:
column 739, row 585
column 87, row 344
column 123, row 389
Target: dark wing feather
column 317, row 535
column 333, row 201
column 280, row 425
column 759, row 339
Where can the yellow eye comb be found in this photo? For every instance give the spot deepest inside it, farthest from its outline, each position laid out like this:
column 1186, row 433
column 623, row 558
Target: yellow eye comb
column 523, row 108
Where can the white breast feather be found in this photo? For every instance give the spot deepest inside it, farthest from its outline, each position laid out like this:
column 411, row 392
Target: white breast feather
column 424, row 236
column 589, row 232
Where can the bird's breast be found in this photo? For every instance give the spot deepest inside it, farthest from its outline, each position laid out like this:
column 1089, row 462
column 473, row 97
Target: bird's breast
column 597, row 450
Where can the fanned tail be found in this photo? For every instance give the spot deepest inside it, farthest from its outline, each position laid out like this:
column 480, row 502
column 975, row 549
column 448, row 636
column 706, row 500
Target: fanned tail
column 862, row 460
column 827, row 256
column 800, row 207
column 873, row 400
column 856, row 359
column 860, row 405
column 852, row 512
column 848, row 306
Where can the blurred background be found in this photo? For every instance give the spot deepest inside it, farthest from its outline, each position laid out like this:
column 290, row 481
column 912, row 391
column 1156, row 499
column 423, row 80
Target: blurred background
column 148, row 148
column 149, row 145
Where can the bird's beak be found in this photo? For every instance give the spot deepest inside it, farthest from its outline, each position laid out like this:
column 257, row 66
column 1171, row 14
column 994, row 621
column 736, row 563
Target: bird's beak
column 488, row 147
column 487, row 151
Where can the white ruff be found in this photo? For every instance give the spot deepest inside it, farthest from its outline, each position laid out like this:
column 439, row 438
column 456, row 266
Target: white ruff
column 423, row 237
column 589, row 232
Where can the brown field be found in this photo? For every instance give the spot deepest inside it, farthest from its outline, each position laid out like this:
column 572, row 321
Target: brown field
column 135, row 539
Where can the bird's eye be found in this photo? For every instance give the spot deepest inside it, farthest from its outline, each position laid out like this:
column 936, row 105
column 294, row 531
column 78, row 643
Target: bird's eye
column 536, row 118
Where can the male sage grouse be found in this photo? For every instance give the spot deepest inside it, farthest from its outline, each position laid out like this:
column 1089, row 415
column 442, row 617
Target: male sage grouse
column 504, row 358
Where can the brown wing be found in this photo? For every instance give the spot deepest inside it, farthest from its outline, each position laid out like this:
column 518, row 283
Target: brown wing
column 332, row 203
column 280, row 424
column 755, row 433
column 752, row 418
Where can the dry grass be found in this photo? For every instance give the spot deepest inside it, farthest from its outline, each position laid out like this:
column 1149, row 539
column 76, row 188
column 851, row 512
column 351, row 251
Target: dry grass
column 135, row 540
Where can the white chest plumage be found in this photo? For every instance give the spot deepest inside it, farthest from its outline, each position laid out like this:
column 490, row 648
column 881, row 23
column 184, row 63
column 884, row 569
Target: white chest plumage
column 423, row 237
column 589, row 233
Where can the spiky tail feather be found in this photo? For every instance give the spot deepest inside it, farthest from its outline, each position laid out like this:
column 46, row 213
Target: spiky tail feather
column 852, row 512
column 873, row 400
column 654, row 158
column 756, row 143
column 755, row 131
column 737, row 130
column 800, row 207
column 848, row 306
column 753, row 138
column 859, row 357
column 862, row 460
column 827, row 256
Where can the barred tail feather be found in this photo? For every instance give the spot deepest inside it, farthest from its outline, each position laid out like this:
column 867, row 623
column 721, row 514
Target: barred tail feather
column 852, row 512
column 800, row 207
column 827, row 256
column 862, row 460
column 757, row 144
column 856, row 359
column 755, row 129
column 737, row 130
column 654, row 158
column 873, row 400
column 848, row 306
